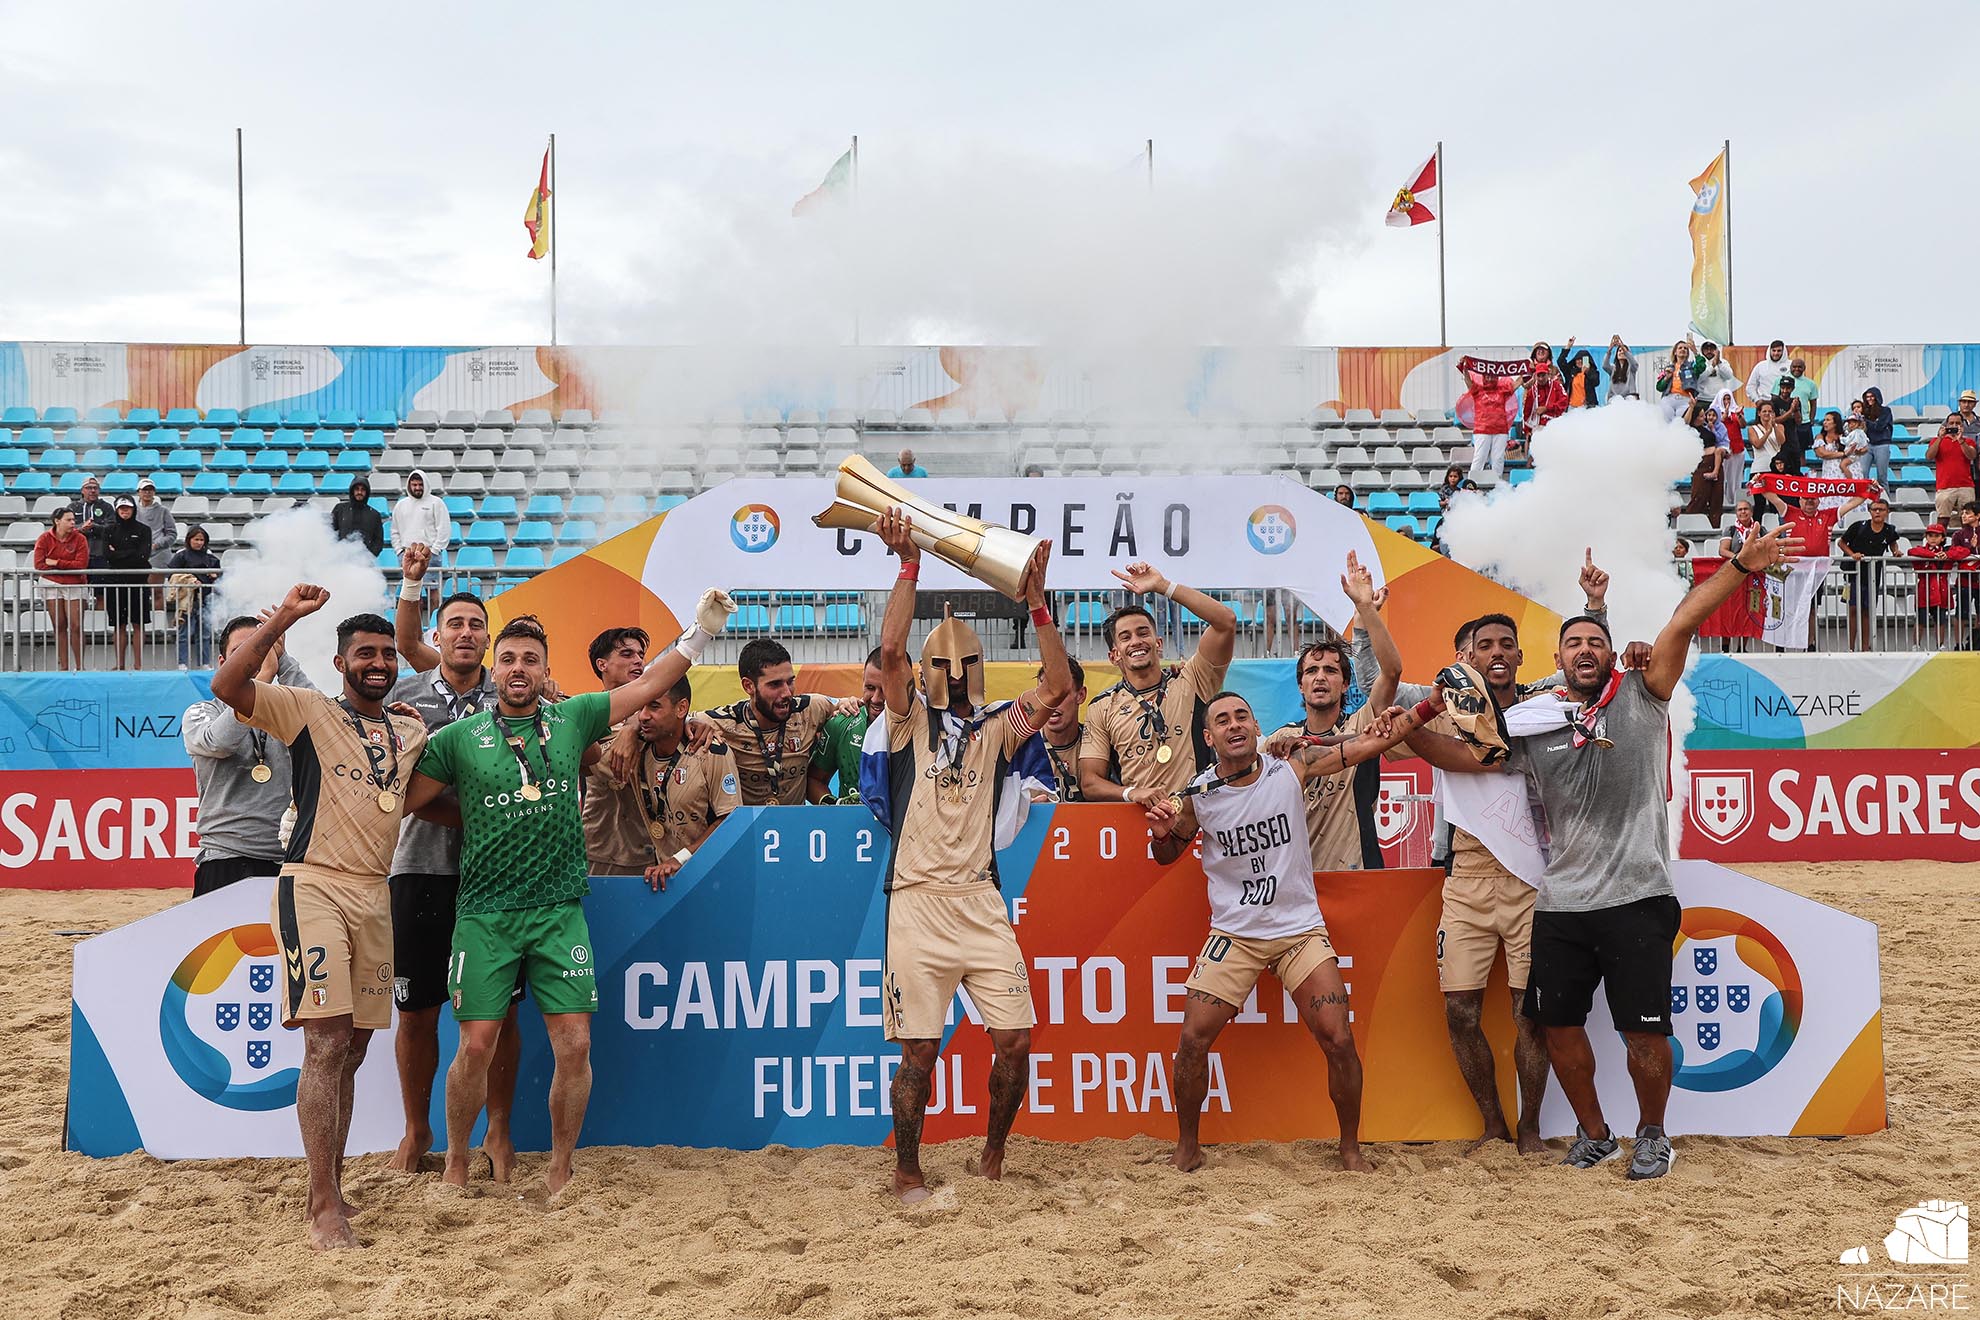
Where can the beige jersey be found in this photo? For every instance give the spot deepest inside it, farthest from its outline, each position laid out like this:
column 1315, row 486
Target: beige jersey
column 1130, row 731
column 943, row 798
column 614, row 831
column 340, row 765
column 687, row 792
column 1333, row 821
column 773, row 762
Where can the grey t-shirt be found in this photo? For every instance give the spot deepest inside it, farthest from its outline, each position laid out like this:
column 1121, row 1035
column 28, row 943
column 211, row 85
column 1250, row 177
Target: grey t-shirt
column 1605, row 805
column 424, row 847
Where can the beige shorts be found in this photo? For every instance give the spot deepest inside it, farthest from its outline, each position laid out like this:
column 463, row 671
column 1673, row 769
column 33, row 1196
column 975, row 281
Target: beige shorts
column 336, row 943
column 1947, row 504
column 1230, row 965
column 1482, row 910
column 937, row 941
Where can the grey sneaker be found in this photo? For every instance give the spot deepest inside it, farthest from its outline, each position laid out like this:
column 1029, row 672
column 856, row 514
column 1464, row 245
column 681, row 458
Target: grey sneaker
column 1651, row 1156
column 1586, row 1152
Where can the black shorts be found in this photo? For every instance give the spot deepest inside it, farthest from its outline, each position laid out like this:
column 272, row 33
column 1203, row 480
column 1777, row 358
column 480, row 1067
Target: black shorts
column 219, row 872
column 1626, row 948
column 423, row 940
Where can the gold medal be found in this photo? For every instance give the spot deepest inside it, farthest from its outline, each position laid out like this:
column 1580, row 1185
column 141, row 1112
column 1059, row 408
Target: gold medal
column 387, row 800
column 261, row 774
column 658, row 829
column 1175, row 801
column 1164, row 754
column 530, row 792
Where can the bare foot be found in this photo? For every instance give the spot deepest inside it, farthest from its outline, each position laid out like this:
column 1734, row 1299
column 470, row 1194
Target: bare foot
column 1353, row 1161
column 1486, row 1140
column 351, row 1211
column 1187, row 1161
column 990, row 1164
column 556, row 1178
column 456, row 1172
column 501, row 1153
column 1529, row 1142
column 910, row 1188
column 330, row 1231
column 411, row 1147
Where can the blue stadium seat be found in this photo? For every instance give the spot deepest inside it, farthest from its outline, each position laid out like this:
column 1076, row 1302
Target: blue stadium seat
column 500, row 506
column 122, row 437
column 1405, row 525
column 13, row 460
column 223, row 417
column 18, row 416
column 564, row 554
column 247, row 439
column 207, row 483
column 168, row 483
column 254, row 483
column 458, row 506
column 55, row 460
column 340, row 419
column 662, row 503
column 120, row 483
column 93, row 459
column 1915, row 476
column 37, row 437
column 289, row 437
column 1518, row 476
column 795, row 619
column 307, row 419
column 270, row 460
column 141, row 417
column 1086, row 614
column 542, row 506
column 103, row 415
column 163, row 437
column 577, row 531
column 475, row 556
column 841, row 620
column 586, row 506
column 1430, row 527
column 616, row 527
column 527, row 557
column 70, row 482
column 487, row 532
column 1383, row 503
column 379, row 419
column 1423, row 502
column 534, row 531
column 1899, row 431
column 749, row 621
column 32, row 483
column 325, row 438
column 366, row 442
column 182, row 417
column 184, row 460
column 311, row 460
column 263, row 416
column 82, row 437
column 296, row 483
column 388, row 558
column 352, row 460
column 204, row 437
column 336, row 483
column 60, row 415
column 629, row 506
column 140, row 460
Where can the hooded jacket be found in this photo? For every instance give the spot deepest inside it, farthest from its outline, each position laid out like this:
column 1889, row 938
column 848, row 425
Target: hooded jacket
column 355, row 519
column 422, row 520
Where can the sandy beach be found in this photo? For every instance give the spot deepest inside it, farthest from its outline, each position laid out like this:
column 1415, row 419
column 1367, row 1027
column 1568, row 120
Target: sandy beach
column 1741, row 1227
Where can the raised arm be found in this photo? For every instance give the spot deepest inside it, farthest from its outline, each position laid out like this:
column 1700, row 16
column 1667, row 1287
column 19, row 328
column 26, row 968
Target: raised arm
column 1055, row 679
column 1219, row 639
column 1359, row 584
column 896, row 670
column 1668, row 652
column 711, row 613
column 406, row 620
column 233, row 681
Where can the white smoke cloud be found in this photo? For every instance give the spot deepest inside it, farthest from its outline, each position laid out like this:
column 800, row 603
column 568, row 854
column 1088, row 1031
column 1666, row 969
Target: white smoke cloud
column 297, row 545
column 1602, row 482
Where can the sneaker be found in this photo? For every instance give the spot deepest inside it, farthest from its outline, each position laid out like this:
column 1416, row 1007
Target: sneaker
column 1651, row 1156
column 1586, row 1152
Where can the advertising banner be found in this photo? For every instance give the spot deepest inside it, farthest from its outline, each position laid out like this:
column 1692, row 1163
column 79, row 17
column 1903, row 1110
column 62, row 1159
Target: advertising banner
column 1792, row 806
column 741, row 1008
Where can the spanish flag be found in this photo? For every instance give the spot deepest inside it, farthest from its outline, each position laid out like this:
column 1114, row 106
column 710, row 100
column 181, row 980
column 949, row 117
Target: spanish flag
column 536, row 216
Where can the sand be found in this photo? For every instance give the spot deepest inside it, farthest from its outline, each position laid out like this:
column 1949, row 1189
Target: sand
column 1741, row 1227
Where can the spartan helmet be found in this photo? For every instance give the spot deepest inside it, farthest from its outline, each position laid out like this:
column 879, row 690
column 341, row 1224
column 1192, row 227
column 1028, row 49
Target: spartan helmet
column 951, row 648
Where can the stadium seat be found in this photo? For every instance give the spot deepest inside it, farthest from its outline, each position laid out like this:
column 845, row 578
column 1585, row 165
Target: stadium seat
column 499, row 506
column 208, row 483
column 1401, row 523
column 370, row 442
column 223, row 417
column 168, row 484
column 533, row 531
column 749, row 621
column 475, row 556
column 336, row 483
column 564, row 554
column 458, row 506
column 103, row 416
column 339, row 419
column 498, row 417
column 535, row 417
column 1422, row 502
column 379, row 419
column 584, row 506
column 60, row 415
column 13, row 460
column 182, row 417
column 141, row 417
column 247, row 439
column 424, row 419
column 70, row 482
column 1519, row 476
column 254, row 483
column 263, row 416
column 98, row 460
column 296, row 483
column 82, row 437
column 192, row 508
column 542, row 506
column 32, row 483
column 795, row 619
column 18, row 416
column 352, row 461
column 489, row 532
column 524, row 557
column 1384, row 502
column 55, row 460
column 120, row 483
column 269, row 460
column 312, row 460
column 302, row 419
column 577, row 531
column 139, row 460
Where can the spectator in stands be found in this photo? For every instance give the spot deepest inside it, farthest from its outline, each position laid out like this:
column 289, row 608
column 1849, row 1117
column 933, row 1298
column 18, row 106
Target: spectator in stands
column 1713, row 373
column 1767, row 372
column 1787, row 410
column 61, row 556
column 1969, row 419
column 1545, row 393
column 1765, row 438
column 191, row 575
column 1344, row 495
column 1681, row 561
column 1033, row 470
column 1743, row 529
column 1877, row 424
column 907, row 467
column 164, row 535
column 126, row 592
column 1620, row 366
column 353, row 518
column 1708, row 494
column 1867, row 543
column 420, row 518
column 1842, row 453
column 1967, row 538
column 1490, row 426
column 1584, row 381
column 1935, row 586
column 1453, row 483
column 1951, row 456
column 1809, row 396
column 93, row 518
column 1678, row 381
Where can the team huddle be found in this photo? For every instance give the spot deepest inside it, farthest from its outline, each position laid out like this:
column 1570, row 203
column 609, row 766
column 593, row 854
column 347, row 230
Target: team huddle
column 445, row 824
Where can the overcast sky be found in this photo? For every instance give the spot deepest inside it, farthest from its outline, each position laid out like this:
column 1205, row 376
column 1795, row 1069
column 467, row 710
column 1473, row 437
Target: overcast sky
column 390, row 150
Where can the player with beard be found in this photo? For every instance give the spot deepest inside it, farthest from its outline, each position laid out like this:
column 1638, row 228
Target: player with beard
column 680, row 793
column 1596, row 752
column 1264, row 912
column 615, row 839
column 948, row 757
column 523, row 875
column 837, row 754
column 1140, row 739
column 1339, row 807
column 349, row 760
column 448, row 682
column 774, row 728
column 1050, row 760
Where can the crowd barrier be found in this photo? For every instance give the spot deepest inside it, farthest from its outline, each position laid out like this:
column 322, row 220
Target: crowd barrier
column 741, row 1008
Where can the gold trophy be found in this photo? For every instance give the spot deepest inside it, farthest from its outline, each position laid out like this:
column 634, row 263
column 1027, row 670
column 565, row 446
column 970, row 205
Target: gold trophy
column 993, row 555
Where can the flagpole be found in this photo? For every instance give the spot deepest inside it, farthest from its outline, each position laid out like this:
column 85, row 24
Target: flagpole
column 1443, row 205
column 855, row 181
column 1151, row 164
column 552, row 218
column 1728, row 203
column 240, row 230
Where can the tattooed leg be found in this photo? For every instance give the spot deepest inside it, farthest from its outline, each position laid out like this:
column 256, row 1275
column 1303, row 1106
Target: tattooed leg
column 1204, row 1016
column 1010, row 1073
column 912, row 1082
column 1323, row 1006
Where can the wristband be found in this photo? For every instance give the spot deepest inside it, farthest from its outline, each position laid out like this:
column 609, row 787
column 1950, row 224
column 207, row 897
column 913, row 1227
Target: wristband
column 410, row 590
column 1041, row 616
column 1170, row 591
column 1425, row 711
column 693, row 642
column 911, row 571
column 682, row 856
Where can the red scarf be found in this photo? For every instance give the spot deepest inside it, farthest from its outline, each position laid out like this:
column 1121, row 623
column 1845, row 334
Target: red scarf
column 1494, row 367
column 1783, row 484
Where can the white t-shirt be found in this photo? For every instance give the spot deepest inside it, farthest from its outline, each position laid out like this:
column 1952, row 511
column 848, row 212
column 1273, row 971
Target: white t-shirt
column 1760, row 381
column 1256, row 856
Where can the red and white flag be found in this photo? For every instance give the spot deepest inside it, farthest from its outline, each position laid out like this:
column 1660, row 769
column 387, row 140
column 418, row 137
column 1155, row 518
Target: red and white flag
column 1411, row 204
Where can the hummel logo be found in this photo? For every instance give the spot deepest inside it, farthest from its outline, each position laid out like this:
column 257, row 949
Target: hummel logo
column 1649, row 1019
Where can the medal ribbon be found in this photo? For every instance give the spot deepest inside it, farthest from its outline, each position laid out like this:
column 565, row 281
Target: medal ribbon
column 542, row 744
column 375, row 753
column 1069, row 790
column 1191, row 790
column 1152, row 723
column 656, row 814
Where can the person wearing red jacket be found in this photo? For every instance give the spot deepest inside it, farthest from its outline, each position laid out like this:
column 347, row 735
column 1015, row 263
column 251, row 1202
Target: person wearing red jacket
column 1546, row 396
column 1935, row 589
column 1491, row 424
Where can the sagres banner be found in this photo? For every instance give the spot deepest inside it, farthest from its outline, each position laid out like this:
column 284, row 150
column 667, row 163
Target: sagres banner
column 742, row 1008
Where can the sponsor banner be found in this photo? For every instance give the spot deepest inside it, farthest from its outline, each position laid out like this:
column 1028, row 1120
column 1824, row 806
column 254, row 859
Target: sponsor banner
column 1898, row 700
column 757, row 975
column 1802, row 805
column 58, row 721
column 98, row 829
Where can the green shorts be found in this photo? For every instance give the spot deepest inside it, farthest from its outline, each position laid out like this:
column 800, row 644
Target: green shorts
column 549, row 946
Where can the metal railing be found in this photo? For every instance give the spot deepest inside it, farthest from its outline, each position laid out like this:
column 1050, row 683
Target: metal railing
column 165, row 626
